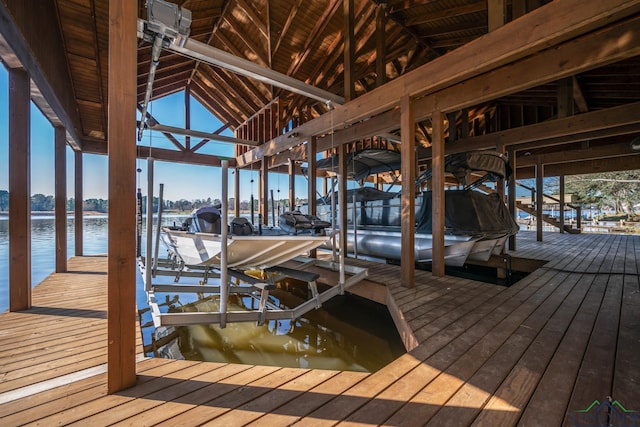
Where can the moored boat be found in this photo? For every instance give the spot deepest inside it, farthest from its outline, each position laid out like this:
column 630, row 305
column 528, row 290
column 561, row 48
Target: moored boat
column 199, row 242
column 477, row 224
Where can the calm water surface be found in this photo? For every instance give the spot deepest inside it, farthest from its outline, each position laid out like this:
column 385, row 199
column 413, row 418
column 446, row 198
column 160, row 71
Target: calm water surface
column 348, row 333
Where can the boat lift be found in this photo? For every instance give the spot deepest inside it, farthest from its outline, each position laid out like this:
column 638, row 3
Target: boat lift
column 257, row 289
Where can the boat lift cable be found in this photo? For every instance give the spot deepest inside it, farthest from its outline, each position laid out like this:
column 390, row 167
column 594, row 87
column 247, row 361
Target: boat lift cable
column 155, row 60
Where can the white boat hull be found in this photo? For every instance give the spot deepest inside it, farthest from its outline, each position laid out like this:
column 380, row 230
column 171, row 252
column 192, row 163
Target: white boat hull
column 254, row 251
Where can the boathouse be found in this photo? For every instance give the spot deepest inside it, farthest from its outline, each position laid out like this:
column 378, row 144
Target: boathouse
column 553, row 85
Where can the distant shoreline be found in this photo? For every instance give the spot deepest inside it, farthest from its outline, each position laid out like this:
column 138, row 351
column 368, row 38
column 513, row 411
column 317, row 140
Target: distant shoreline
column 89, row 213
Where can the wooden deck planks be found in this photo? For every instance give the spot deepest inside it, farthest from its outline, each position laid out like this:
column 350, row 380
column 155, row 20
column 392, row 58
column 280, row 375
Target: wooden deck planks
column 488, row 355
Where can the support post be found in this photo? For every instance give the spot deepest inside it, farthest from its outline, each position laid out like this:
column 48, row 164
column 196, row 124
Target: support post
column 561, row 214
column 342, row 206
column 312, row 181
column 121, row 360
column 497, row 14
column 224, row 280
column 292, row 184
column 78, row 197
column 187, row 116
column 512, row 194
column 437, row 191
column 236, row 193
column 381, row 45
column 500, row 181
column 264, row 191
column 408, row 211
column 148, row 255
column 539, row 200
column 19, row 191
column 349, row 51
column 61, row 198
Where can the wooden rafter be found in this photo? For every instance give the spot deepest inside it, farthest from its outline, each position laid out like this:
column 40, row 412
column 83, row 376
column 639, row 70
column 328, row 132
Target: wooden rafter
column 203, row 94
column 204, row 141
column 262, row 56
column 287, row 25
column 254, row 17
column 170, row 137
column 214, row 30
column 224, row 78
column 321, row 24
column 447, row 13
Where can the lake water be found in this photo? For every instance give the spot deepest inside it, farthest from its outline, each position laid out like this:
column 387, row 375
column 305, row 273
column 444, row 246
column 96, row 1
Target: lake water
column 347, row 333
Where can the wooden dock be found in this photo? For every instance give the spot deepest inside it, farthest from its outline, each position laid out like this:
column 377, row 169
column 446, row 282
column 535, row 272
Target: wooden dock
column 531, row 354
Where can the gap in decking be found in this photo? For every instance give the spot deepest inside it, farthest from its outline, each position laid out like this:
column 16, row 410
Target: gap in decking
column 347, row 333
column 516, row 269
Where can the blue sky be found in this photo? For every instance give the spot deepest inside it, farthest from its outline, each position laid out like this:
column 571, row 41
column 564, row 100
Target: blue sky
column 181, row 181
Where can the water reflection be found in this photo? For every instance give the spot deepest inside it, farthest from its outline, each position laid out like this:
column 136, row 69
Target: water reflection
column 348, row 333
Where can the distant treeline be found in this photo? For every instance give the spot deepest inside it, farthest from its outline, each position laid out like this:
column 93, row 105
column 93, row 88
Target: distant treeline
column 40, row 202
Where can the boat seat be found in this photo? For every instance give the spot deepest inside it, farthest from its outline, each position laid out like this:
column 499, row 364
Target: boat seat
column 240, row 226
column 306, row 276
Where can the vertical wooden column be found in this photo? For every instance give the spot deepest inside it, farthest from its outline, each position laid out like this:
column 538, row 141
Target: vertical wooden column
column 497, row 13
column 518, row 8
column 565, row 105
column 539, row 200
column 561, row 185
column 19, row 191
column 78, row 196
column 123, row 50
column 500, row 181
column 264, row 190
column 349, row 51
column 187, row 116
column 312, row 181
column 61, row 198
column 236, row 193
column 408, row 200
column 381, row 45
column 437, row 191
column 292, row 184
column 512, row 193
column 342, row 197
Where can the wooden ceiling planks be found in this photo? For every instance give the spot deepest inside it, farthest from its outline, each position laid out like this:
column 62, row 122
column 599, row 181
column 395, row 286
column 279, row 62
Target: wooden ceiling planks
column 304, row 39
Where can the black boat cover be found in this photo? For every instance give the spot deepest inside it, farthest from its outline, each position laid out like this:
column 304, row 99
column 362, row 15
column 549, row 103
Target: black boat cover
column 469, row 212
column 489, row 161
column 361, row 164
column 363, row 194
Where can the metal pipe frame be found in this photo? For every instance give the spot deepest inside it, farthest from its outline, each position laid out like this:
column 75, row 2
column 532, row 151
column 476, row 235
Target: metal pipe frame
column 273, row 313
column 210, row 55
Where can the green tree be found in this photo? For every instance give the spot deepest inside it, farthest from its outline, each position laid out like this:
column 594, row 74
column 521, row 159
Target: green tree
column 40, row 202
column 4, row 200
column 619, row 190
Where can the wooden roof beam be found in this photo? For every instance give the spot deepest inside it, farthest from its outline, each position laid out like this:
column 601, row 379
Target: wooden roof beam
column 452, row 12
column 262, row 56
column 143, row 151
column 235, row 95
column 612, row 164
column 56, row 103
column 321, row 24
column 292, row 15
column 620, row 120
column 618, row 149
column 152, row 120
column 555, row 22
column 254, row 17
column 220, row 105
column 218, row 57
